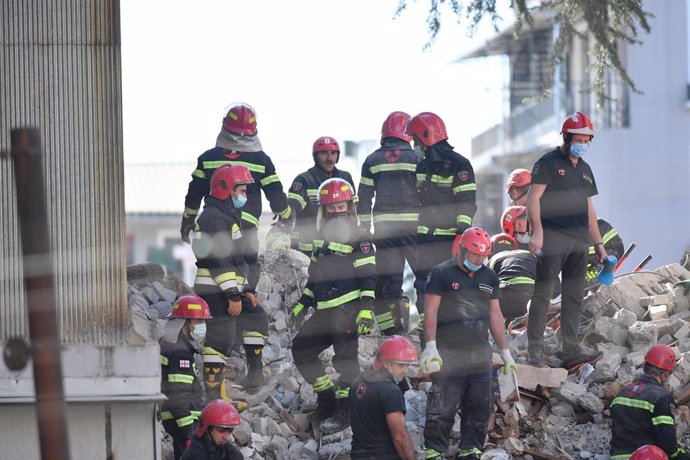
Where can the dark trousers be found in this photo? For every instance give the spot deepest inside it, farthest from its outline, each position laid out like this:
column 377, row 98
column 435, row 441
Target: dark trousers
column 431, row 250
column 179, row 438
column 562, row 254
column 249, row 249
column 514, row 301
column 222, row 329
column 332, row 326
column 466, row 388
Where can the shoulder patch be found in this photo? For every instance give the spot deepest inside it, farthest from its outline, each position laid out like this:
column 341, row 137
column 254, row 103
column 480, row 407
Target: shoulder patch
column 463, row 175
column 365, row 246
column 561, row 171
column 392, row 155
column 185, row 363
column 455, row 285
column 297, row 186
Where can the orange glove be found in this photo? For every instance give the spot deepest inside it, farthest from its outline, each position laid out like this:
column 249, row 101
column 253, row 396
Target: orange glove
column 251, row 296
column 235, row 307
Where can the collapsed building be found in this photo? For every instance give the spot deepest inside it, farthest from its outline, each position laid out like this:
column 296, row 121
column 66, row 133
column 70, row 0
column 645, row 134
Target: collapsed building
column 558, row 415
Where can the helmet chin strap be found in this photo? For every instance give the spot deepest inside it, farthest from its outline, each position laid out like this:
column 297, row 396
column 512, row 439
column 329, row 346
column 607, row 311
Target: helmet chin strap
column 514, row 200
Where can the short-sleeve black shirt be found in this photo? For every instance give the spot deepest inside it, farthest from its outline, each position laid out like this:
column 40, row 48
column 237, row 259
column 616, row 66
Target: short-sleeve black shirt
column 463, row 317
column 372, row 396
column 564, row 202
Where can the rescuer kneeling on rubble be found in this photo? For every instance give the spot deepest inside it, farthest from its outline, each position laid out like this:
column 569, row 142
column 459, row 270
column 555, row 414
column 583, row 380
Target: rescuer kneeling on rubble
column 461, row 305
column 642, row 413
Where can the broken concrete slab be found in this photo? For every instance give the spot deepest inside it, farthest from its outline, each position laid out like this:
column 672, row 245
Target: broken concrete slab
column 530, row 377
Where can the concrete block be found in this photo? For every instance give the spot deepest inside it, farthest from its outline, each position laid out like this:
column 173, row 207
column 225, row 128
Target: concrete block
column 605, row 329
column 667, row 339
column 667, row 326
column 569, row 392
column 166, row 294
column 657, row 312
column 625, row 318
column 243, row 433
column 529, row 377
column 682, row 369
column 605, row 370
column 681, row 297
column 684, row 315
column 684, row 330
column 279, row 444
column 641, row 335
column 659, row 299
column 610, row 348
column 636, row 358
column 563, row 409
column 591, row 403
column 684, row 344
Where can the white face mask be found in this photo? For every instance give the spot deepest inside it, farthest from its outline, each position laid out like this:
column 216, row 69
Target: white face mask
column 524, row 238
column 198, row 334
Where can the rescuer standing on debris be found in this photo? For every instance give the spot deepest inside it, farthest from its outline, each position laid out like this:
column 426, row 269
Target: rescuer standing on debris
column 377, row 406
column 461, row 305
column 342, row 279
column 447, row 193
column 184, row 333
column 389, row 180
column 221, row 279
column 563, row 221
column 303, row 195
column 212, row 439
column 642, row 413
column 238, row 144
column 516, row 270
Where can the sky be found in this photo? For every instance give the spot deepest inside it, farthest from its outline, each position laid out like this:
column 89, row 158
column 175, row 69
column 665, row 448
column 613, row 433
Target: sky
column 309, row 68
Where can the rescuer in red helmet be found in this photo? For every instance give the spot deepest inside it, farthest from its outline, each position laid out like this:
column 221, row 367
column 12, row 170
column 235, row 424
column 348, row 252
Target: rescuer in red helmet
column 377, row 405
column 517, row 186
column 461, row 306
column 642, row 413
column 212, row 438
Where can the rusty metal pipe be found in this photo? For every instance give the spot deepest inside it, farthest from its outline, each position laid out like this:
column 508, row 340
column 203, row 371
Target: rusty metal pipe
column 40, row 293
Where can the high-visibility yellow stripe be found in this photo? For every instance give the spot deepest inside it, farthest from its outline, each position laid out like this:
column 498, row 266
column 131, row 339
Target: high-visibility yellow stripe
column 343, row 299
column 465, row 188
column 167, row 415
column 340, row 247
column 285, row 213
column 463, row 219
column 520, row 280
column 249, row 218
column 180, row 378
column 305, row 246
column 611, row 234
column 269, row 180
column 636, row 403
column 342, row 393
column 364, row 261
column 393, row 167
column 312, row 192
column 194, row 306
column 185, row 421
column 164, row 360
column 322, row 383
column 308, row 292
column 678, row 451
column 318, row 243
column 199, row 173
column 621, row 456
column 250, row 166
column 209, row 351
column 366, row 181
column 368, row 293
column 662, row 420
column 422, row 229
column 297, row 197
column 224, row 277
column 443, row 231
column 403, row 217
column 421, row 177
column 442, row 180
column 467, row 452
column 189, row 212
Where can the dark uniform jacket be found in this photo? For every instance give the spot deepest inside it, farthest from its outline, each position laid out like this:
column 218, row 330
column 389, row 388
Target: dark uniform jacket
column 447, row 192
column 262, row 170
column 373, row 395
column 303, row 198
column 642, row 413
column 220, row 269
column 612, row 243
column 389, row 173
column 515, row 268
column 180, row 384
column 201, row 449
column 340, row 273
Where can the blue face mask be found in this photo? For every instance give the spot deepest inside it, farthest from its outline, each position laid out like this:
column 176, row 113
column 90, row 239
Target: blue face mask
column 199, row 333
column 472, row 267
column 240, row 201
column 579, row 150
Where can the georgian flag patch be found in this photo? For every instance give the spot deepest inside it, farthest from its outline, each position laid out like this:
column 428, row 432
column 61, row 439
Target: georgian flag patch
column 185, row 363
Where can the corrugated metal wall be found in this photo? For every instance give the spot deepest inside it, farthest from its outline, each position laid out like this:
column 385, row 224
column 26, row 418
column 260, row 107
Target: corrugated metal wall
column 60, row 71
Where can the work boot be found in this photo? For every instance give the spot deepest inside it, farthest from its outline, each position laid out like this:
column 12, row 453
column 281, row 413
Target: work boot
column 536, row 358
column 431, row 454
column 325, row 405
column 578, row 358
column 340, row 420
column 255, row 376
column 225, row 396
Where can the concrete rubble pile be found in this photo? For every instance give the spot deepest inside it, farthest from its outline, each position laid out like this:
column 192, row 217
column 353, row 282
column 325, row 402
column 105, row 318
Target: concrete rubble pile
column 558, row 415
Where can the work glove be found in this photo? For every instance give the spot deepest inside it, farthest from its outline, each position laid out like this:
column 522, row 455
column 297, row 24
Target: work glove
column 431, row 361
column 365, row 322
column 251, row 296
column 188, row 224
column 508, row 362
column 288, row 221
column 234, row 305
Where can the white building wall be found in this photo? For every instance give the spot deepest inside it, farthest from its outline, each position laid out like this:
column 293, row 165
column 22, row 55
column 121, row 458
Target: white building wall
column 643, row 172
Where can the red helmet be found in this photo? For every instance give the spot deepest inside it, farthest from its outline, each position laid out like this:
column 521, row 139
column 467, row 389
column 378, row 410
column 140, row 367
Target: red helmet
column 577, row 123
column 518, row 178
column 190, row 306
column 649, row 452
column 475, row 240
column 218, row 413
column 395, row 126
column 226, row 178
column 661, row 356
column 241, row 119
column 428, row 127
column 397, row 349
column 335, row 190
column 325, row 144
column 510, row 215
column 503, row 242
